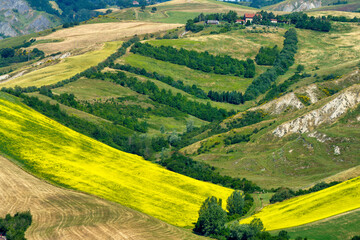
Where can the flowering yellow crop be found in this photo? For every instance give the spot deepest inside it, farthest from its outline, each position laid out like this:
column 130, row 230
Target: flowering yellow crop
column 65, row 157
column 311, row 207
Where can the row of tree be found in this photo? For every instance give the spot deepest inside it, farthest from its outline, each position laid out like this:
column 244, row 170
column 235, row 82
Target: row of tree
column 16, row 55
column 202, row 61
column 203, row 111
column 267, row 55
column 282, row 194
column 232, row 97
column 284, row 60
column 302, row 20
column 111, row 109
column 202, row 171
column 193, row 90
column 109, row 62
column 277, row 90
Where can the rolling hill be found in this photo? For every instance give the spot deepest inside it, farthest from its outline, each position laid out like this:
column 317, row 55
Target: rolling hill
column 51, row 151
column 155, row 107
column 311, row 207
column 60, row 213
column 315, row 5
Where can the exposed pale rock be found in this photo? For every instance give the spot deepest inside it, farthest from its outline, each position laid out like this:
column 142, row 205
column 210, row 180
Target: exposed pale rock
column 347, row 99
column 298, row 5
column 279, row 105
column 337, row 150
column 311, row 93
column 321, row 137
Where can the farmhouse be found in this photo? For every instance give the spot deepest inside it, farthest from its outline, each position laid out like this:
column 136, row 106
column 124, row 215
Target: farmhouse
column 135, row 3
column 250, row 16
column 214, row 22
column 241, row 21
column 273, row 20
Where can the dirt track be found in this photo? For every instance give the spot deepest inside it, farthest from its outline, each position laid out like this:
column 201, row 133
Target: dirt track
column 64, row 214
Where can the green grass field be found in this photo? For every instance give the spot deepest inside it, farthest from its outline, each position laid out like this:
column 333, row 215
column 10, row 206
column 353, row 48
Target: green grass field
column 343, row 226
column 205, row 81
column 92, row 90
column 64, row 157
column 65, row 69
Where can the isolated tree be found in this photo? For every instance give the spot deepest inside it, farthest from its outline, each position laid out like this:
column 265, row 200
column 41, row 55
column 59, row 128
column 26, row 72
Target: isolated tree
column 300, row 68
column 235, row 203
column 153, row 9
column 212, row 217
column 143, row 7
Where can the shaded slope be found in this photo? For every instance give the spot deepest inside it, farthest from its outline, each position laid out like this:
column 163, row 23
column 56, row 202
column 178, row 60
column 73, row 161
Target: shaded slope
column 67, row 158
column 64, row 214
column 311, row 207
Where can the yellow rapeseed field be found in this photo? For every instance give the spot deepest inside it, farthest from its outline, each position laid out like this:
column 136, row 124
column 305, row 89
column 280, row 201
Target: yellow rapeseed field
column 311, row 207
column 62, row 156
column 67, row 68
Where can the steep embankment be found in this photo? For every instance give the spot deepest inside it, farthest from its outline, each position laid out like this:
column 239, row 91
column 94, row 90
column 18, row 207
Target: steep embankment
column 65, row 214
column 18, row 18
column 326, row 114
column 311, row 207
column 62, row 156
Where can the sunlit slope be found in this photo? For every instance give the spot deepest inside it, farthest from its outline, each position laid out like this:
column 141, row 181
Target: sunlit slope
column 60, row 155
column 311, row 207
column 65, row 214
column 64, row 70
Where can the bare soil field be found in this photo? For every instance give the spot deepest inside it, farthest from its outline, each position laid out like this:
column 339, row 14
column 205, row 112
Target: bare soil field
column 89, row 35
column 64, row 214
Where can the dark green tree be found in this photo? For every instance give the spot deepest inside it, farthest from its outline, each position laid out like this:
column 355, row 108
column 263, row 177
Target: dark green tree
column 212, row 218
column 235, row 203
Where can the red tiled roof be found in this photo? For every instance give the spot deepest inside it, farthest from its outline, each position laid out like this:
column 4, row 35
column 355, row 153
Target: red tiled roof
column 249, row 15
column 240, row 20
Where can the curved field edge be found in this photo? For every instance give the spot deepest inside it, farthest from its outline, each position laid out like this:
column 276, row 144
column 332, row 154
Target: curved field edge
column 62, row 156
column 64, row 214
column 342, row 226
column 67, row 68
column 312, row 207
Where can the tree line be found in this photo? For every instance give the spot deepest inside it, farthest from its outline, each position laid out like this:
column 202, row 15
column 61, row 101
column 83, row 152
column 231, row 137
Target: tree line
column 232, row 97
column 282, row 63
column 277, row 90
column 16, row 55
column 204, row 172
column 200, row 110
column 110, row 109
column 106, row 63
column 111, row 134
column 202, row 61
column 282, row 194
column 302, row 20
column 267, row 55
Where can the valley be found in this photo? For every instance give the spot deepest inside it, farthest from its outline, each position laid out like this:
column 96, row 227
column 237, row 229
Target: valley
column 126, row 123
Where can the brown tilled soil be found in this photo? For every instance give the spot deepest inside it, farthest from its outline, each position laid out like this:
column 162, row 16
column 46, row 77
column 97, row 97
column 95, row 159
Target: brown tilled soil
column 64, row 214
